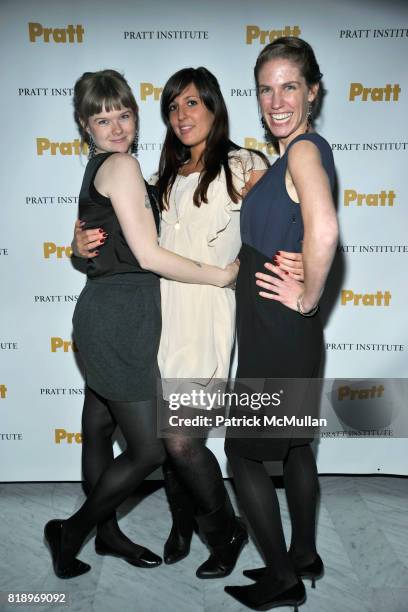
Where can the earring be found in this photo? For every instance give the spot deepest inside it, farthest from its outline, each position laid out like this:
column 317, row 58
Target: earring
column 309, row 115
column 91, row 147
column 133, row 150
column 263, row 123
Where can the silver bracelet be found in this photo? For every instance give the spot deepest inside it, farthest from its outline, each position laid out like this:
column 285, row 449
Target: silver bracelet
column 299, row 307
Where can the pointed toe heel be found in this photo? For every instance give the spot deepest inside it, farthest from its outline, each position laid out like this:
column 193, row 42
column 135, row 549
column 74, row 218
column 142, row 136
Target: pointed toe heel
column 310, row 571
column 251, row 597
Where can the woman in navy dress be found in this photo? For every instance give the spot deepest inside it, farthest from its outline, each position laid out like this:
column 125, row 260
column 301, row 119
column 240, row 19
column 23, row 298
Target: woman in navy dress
column 278, row 327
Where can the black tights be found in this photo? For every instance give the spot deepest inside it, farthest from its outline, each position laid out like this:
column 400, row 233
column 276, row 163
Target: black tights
column 110, row 481
column 197, row 470
column 259, row 501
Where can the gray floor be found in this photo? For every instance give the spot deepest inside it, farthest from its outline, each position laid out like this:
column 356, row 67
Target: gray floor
column 362, row 538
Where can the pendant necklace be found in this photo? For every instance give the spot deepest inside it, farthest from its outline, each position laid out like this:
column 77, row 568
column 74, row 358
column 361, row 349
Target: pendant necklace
column 176, row 184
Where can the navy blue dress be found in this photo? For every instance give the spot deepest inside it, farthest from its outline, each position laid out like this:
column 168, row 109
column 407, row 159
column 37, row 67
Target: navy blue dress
column 117, row 319
column 273, row 340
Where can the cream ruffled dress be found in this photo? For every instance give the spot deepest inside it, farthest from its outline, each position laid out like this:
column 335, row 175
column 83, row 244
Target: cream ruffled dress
column 198, row 321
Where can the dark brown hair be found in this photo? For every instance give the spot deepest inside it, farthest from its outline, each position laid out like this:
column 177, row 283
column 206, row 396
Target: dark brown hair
column 300, row 53
column 95, row 91
column 215, row 157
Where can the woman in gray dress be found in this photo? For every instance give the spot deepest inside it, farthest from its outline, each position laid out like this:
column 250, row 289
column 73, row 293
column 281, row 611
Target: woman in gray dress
column 117, row 320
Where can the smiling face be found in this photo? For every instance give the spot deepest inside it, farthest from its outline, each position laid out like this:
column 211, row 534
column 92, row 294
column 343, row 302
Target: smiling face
column 190, row 119
column 113, row 131
column 284, row 98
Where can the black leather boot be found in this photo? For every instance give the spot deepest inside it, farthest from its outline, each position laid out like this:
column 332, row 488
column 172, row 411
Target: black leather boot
column 225, row 535
column 177, row 545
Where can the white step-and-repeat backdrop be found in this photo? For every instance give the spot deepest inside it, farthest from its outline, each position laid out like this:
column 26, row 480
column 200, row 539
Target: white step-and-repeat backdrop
column 46, row 45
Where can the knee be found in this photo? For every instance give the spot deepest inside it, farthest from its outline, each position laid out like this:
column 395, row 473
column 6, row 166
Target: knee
column 179, row 449
column 152, row 456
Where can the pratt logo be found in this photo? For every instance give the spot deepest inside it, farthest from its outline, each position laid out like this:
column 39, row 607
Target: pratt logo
column 63, row 148
column 384, row 198
column 50, row 248
column 58, row 343
column 254, row 32
column 253, row 143
column 63, row 435
column 70, row 34
column 389, row 93
column 3, row 391
column 346, row 392
column 148, row 89
column 361, row 405
column 365, row 299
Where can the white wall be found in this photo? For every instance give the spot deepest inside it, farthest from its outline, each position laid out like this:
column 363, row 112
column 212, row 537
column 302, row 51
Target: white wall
column 361, row 42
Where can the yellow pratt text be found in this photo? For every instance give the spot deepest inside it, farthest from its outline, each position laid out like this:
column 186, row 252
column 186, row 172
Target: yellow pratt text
column 266, row 147
column 148, row 89
column 70, row 34
column 61, row 435
column 384, row 198
column 381, row 298
column 254, row 32
column 66, row 345
column 346, row 392
column 62, row 148
column 389, row 93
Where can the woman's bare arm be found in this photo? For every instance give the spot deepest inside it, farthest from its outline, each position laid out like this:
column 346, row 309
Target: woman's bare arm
column 120, row 179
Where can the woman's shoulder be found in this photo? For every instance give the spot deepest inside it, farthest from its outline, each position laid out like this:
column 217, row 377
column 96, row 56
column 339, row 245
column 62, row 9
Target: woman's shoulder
column 244, row 161
column 153, row 179
column 315, row 138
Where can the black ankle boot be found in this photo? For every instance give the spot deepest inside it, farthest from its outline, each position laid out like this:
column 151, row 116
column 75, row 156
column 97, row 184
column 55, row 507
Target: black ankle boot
column 225, row 535
column 177, row 545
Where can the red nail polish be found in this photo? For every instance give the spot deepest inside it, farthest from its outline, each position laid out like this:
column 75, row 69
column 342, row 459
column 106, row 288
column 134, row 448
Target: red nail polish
column 105, row 235
column 102, row 240
column 286, row 272
column 96, row 252
column 101, row 231
column 278, row 252
column 277, row 264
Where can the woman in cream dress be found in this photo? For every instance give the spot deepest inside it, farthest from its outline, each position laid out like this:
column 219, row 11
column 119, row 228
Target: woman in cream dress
column 199, row 320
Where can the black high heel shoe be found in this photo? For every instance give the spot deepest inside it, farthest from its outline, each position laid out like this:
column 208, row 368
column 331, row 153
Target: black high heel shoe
column 312, row 571
column 146, row 559
column 254, row 598
column 53, row 537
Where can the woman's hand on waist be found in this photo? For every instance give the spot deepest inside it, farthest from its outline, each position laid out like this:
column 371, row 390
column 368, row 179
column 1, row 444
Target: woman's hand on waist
column 280, row 288
column 231, row 273
column 288, row 262
column 86, row 241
